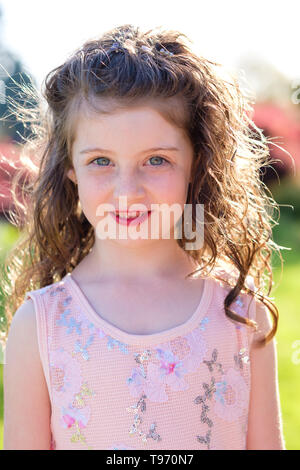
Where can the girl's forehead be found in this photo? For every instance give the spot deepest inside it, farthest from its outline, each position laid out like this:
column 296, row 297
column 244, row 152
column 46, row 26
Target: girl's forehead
column 89, row 122
column 108, row 110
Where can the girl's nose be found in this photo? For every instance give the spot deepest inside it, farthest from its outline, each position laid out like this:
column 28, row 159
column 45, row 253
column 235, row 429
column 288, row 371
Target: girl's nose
column 129, row 184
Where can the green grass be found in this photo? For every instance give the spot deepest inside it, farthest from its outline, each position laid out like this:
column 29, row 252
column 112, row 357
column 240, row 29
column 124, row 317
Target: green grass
column 286, row 293
column 287, row 298
column 8, row 235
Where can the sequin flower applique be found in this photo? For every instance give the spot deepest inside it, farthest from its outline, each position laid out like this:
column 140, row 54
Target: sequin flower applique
column 238, row 307
column 241, row 358
column 82, row 348
column 70, row 323
column 138, row 409
column 230, row 396
column 169, row 372
column 78, row 417
column 198, row 349
column 111, row 342
column 78, row 414
column 69, row 393
column 65, row 376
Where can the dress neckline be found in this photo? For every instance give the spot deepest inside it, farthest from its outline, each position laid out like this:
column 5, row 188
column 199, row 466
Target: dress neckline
column 130, row 338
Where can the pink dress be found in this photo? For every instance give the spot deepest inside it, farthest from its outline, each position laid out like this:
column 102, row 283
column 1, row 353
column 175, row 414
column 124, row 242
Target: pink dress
column 184, row 388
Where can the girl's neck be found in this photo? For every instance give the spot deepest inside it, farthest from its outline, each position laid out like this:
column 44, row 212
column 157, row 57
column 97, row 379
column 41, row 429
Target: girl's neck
column 101, row 266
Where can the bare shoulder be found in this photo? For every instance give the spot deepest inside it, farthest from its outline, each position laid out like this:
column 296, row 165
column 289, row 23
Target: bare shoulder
column 265, row 430
column 25, row 312
column 23, row 324
column 264, row 323
column 22, row 341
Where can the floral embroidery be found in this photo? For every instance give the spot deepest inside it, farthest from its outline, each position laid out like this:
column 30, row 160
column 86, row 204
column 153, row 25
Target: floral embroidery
column 138, row 420
column 213, row 362
column 56, row 290
column 205, row 439
column 203, row 322
column 86, row 324
column 170, row 370
column 169, row 364
column 67, row 301
column 241, row 358
column 209, row 393
column 44, row 290
column 232, row 398
column 220, row 390
column 80, row 417
column 83, row 349
column 229, row 395
column 121, row 447
column 98, row 332
column 239, row 302
column 111, row 342
column 140, row 358
column 70, row 323
column 198, row 349
column 84, row 391
column 137, row 382
column 68, row 392
column 71, row 415
column 239, row 309
column 66, row 376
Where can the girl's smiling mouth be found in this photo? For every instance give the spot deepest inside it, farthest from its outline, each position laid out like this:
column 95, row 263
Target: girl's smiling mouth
column 130, row 220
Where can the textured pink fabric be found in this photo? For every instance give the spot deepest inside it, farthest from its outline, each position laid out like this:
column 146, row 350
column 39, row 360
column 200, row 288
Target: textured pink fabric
column 185, row 388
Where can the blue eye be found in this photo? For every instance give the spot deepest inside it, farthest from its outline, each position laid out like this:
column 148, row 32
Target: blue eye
column 161, row 158
column 100, row 158
column 157, row 157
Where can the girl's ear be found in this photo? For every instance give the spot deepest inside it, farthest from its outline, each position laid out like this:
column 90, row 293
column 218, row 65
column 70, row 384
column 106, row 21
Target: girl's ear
column 71, row 175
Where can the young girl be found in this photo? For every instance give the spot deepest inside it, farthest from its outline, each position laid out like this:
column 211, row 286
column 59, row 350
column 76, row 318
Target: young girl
column 142, row 342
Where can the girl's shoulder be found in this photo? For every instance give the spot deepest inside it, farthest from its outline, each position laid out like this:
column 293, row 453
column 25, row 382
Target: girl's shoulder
column 45, row 302
column 50, row 289
column 226, row 276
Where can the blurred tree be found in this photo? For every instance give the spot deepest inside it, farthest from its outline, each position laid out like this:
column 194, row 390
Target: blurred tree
column 275, row 113
column 13, row 133
column 12, row 75
column 269, row 84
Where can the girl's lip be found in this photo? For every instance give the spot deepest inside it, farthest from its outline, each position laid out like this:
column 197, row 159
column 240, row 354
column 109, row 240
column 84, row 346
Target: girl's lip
column 136, row 221
column 128, row 212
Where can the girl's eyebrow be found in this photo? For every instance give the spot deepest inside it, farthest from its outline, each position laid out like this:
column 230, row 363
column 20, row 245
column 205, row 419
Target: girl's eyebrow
column 154, row 149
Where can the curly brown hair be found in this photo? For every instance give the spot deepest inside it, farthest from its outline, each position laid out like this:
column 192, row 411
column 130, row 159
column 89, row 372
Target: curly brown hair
column 128, row 65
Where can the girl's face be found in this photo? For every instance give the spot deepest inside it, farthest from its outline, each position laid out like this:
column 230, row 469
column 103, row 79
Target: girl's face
column 134, row 153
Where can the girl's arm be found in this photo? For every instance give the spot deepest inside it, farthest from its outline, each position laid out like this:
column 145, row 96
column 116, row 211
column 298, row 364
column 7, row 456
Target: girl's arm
column 27, row 408
column 264, row 422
